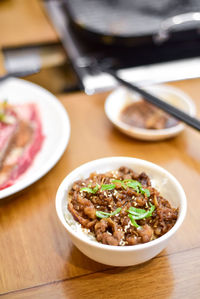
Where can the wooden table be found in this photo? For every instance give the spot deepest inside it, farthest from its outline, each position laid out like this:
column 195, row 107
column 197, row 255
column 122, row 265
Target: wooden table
column 37, row 260
column 24, row 23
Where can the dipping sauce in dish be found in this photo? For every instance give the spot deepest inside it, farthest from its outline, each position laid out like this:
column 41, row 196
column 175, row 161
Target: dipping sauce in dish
column 120, row 208
column 142, row 114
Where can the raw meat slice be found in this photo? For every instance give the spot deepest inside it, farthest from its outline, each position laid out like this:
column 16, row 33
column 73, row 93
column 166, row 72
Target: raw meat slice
column 7, row 133
column 19, row 144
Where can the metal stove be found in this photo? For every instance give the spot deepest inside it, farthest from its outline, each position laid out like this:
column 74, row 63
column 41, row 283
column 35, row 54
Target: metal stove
column 159, row 61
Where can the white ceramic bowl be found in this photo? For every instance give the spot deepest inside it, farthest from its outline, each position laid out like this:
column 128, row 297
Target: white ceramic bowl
column 121, row 97
column 169, row 188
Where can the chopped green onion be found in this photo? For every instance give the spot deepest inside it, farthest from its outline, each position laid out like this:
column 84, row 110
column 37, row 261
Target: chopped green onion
column 150, row 211
column 107, row 187
column 136, row 183
column 136, row 210
column 2, row 116
column 86, row 189
column 145, row 191
column 90, row 190
column 101, row 214
column 115, row 212
column 133, row 222
column 137, row 186
column 138, row 214
column 2, row 111
column 96, row 188
column 133, row 184
column 120, row 182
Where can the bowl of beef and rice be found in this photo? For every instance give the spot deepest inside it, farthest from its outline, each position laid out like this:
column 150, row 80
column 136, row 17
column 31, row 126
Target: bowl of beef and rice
column 120, row 211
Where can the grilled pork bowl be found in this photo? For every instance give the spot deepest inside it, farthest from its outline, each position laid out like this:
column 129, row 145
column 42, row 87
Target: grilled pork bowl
column 120, row 211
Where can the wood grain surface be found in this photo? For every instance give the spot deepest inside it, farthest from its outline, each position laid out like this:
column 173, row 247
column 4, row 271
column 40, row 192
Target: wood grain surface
column 24, row 22
column 39, row 261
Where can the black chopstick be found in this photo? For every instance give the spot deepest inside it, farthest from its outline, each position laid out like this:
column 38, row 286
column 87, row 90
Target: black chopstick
column 177, row 113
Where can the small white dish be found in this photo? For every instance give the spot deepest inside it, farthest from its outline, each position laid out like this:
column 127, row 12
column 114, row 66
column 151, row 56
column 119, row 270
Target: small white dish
column 161, row 179
column 55, row 126
column 121, row 97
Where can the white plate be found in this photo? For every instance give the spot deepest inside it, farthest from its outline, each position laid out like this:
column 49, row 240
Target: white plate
column 121, row 97
column 55, row 125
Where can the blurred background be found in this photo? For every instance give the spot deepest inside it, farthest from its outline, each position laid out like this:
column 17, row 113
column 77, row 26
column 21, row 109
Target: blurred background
column 61, row 43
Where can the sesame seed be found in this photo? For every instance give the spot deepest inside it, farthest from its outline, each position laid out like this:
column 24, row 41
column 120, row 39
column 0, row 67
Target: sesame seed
column 122, row 242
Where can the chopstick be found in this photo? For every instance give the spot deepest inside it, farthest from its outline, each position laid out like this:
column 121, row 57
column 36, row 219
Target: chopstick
column 177, row 113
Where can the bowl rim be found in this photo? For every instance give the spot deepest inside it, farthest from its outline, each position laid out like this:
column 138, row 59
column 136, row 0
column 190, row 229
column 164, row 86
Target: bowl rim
column 136, row 131
column 67, row 181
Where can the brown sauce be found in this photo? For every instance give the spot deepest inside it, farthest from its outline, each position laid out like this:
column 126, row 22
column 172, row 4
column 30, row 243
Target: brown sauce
column 144, row 115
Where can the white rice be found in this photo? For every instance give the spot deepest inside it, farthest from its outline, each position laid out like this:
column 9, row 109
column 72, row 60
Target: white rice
column 76, row 226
